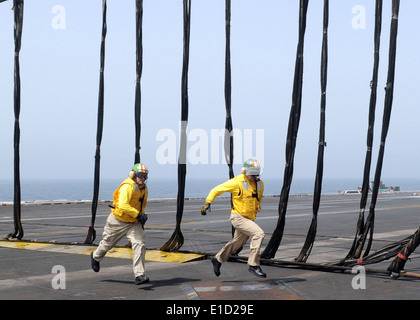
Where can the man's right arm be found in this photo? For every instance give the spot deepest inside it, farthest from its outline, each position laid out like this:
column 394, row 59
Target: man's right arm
column 228, row 186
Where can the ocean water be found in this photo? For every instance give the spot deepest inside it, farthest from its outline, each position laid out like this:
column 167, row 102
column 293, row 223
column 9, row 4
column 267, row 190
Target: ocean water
column 82, row 190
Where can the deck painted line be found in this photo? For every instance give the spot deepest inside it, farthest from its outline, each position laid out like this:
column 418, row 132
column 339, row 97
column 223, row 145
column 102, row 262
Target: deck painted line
column 116, row 252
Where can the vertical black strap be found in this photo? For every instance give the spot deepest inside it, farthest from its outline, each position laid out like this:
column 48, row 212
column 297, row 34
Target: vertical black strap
column 228, row 95
column 177, row 239
column 182, row 165
column 18, row 18
column 389, row 95
column 310, row 238
column 293, row 127
column 228, row 139
column 91, row 233
column 139, row 69
column 360, row 227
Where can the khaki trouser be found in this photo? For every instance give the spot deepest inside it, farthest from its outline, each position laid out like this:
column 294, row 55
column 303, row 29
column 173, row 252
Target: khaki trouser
column 114, row 231
column 244, row 228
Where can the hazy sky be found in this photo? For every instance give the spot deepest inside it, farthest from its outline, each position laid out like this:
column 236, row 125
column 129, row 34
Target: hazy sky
column 60, row 82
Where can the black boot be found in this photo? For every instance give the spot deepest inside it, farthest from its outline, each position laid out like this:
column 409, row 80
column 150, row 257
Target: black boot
column 216, row 266
column 141, row 280
column 256, row 270
column 94, row 264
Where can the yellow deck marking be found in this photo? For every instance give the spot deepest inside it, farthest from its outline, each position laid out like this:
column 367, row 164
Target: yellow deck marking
column 116, row 252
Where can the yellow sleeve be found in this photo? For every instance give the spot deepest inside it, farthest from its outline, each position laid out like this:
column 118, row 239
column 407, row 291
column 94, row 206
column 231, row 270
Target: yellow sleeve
column 126, row 193
column 228, row 186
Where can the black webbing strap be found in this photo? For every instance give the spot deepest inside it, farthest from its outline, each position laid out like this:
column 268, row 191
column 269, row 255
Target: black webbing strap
column 228, row 139
column 310, row 237
column 139, row 69
column 18, row 17
column 399, row 261
column 360, row 227
column 292, row 131
column 228, row 95
column 177, row 239
column 389, row 94
column 92, row 233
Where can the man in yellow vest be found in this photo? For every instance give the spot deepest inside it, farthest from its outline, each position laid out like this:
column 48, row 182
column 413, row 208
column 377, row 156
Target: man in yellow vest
column 247, row 192
column 127, row 218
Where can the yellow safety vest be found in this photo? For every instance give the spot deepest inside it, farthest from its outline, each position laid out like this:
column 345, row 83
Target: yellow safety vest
column 246, row 196
column 134, row 200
